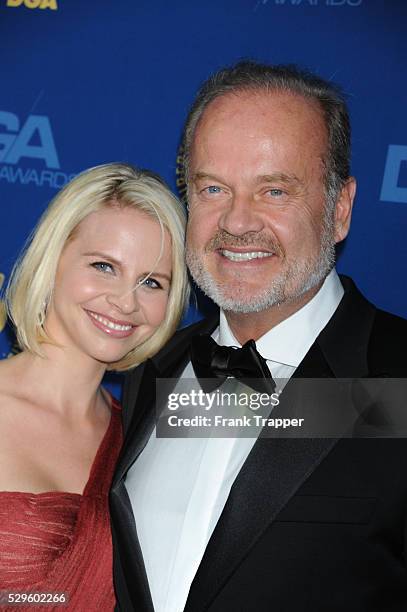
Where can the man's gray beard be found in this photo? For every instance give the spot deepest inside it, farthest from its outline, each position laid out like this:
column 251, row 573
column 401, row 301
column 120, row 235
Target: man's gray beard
column 298, row 278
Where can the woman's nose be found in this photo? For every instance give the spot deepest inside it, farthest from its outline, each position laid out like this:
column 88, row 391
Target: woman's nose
column 127, row 302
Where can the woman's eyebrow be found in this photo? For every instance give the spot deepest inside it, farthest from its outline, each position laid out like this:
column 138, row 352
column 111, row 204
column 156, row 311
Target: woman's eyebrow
column 103, row 255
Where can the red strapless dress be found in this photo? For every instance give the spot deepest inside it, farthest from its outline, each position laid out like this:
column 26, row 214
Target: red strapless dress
column 61, row 542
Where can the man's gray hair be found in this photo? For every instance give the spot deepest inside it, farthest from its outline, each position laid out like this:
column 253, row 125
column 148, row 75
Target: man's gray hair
column 253, row 76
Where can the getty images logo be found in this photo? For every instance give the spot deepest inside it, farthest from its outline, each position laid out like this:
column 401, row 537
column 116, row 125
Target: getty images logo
column 392, row 190
column 16, row 146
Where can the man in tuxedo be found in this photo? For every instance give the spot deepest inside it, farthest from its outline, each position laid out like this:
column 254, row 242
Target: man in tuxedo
column 240, row 524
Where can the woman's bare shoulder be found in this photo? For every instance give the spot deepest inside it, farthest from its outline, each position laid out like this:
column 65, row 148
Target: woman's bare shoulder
column 11, row 379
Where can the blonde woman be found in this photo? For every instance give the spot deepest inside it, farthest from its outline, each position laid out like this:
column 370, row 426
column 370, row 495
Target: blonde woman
column 102, row 285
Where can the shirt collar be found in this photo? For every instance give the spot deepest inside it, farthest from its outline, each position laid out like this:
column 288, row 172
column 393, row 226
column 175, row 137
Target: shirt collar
column 289, row 341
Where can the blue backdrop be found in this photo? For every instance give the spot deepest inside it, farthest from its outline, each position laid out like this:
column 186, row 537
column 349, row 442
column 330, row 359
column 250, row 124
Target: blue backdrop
column 90, row 82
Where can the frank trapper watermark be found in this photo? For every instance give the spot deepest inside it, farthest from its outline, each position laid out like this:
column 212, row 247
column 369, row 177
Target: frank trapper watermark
column 218, row 401
column 232, row 410
column 299, row 408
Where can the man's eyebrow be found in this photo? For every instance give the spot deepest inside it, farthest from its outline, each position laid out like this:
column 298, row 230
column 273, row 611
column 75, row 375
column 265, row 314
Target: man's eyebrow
column 282, row 177
column 199, row 176
column 264, row 178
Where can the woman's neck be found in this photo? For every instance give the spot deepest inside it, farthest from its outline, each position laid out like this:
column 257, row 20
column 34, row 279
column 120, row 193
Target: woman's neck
column 63, row 380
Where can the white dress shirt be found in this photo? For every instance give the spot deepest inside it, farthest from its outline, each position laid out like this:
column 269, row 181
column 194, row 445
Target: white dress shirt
column 178, row 487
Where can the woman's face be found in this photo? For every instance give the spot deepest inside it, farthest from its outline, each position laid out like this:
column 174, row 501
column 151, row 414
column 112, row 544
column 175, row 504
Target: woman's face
column 96, row 309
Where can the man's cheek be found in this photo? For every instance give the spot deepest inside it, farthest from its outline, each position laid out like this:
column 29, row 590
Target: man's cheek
column 194, row 236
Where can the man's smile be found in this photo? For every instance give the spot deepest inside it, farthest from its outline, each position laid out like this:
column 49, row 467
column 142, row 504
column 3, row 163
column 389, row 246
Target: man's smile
column 241, row 256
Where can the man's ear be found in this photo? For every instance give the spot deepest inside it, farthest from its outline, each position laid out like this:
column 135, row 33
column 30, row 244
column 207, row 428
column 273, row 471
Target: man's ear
column 343, row 209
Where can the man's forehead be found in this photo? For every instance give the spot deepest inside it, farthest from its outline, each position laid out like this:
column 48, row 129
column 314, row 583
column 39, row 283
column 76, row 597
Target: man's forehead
column 237, row 123
column 238, row 103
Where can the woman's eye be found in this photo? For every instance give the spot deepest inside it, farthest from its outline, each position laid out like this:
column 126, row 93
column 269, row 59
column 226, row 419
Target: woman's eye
column 102, row 266
column 152, row 283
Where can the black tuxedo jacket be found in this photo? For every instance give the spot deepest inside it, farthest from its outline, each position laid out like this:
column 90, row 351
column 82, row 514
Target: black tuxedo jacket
column 310, row 525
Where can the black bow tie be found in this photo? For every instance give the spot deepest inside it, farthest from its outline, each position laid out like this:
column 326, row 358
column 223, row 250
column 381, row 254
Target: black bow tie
column 211, row 361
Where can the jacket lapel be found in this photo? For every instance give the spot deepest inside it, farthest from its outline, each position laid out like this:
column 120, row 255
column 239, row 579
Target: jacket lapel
column 139, row 417
column 276, row 468
column 138, row 429
column 139, row 420
column 345, row 340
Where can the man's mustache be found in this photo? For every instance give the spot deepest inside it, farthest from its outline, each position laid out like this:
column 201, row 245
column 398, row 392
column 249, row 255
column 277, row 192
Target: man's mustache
column 254, row 240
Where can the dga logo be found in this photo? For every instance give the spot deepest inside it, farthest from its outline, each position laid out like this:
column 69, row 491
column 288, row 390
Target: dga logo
column 31, row 140
column 3, row 316
column 33, row 4
column 396, row 160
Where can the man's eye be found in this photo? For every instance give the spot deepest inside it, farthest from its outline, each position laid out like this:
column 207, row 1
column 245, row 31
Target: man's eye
column 212, row 189
column 102, row 266
column 276, row 193
column 152, row 283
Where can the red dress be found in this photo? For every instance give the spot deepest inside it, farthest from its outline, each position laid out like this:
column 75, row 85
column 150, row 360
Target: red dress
column 61, row 542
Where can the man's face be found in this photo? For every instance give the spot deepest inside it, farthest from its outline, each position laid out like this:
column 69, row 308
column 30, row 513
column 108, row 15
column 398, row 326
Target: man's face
column 258, row 233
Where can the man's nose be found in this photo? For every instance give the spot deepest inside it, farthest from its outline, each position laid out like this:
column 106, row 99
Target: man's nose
column 125, row 301
column 240, row 216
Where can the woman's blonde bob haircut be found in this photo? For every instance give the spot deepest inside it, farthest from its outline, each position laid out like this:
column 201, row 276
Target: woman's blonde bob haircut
column 32, row 280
